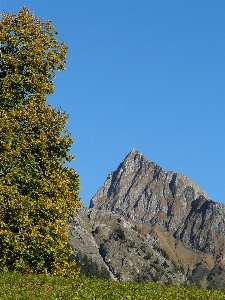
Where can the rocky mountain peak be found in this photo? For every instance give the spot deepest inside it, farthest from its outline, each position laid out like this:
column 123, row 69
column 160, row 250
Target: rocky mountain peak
column 134, row 161
column 172, row 207
column 144, row 192
column 141, row 208
column 133, row 158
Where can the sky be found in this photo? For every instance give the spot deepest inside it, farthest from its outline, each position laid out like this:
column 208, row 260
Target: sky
column 148, row 75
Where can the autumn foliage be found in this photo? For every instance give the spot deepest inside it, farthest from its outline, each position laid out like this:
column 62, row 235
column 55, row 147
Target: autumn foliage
column 37, row 190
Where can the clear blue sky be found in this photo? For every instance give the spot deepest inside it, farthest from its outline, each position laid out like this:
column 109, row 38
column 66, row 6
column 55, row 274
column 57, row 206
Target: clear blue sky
column 148, row 75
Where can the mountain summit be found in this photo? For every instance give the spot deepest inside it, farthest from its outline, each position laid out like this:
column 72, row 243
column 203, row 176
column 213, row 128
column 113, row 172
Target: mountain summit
column 144, row 192
column 172, row 207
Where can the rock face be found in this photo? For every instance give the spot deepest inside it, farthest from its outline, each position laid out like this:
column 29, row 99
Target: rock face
column 142, row 191
column 127, row 253
column 188, row 225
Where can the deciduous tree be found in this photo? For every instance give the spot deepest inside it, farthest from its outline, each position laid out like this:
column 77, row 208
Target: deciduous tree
column 30, row 56
column 38, row 192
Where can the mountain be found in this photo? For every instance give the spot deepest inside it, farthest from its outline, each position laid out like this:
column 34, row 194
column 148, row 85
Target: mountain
column 121, row 251
column 174, row 210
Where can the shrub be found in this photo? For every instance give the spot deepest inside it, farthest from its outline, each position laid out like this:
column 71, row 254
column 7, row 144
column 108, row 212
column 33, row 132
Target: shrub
column 165, row 264
column 148, row 256
column 132, row 244
column 119, row 234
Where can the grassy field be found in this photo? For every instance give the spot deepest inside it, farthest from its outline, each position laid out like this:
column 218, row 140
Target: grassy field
column 14, row 286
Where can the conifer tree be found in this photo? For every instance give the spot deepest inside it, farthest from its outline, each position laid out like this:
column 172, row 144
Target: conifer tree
column 38, row 192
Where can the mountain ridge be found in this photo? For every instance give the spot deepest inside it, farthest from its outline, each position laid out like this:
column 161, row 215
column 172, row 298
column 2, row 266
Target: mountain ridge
column 146, row 224
column 174, row 207
column 139, row 171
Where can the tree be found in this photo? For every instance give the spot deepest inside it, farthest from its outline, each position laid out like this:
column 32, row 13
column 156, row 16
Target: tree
column 37, row 191
column 90, row 268
column 30, row 57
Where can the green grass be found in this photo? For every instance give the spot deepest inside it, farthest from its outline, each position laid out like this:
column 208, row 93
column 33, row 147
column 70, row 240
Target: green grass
column 15, row 286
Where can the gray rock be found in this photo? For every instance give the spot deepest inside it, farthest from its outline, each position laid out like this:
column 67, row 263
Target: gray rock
column 122, row 248
column 172, row 208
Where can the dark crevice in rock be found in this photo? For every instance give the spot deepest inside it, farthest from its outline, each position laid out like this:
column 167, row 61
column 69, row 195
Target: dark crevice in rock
column 172, row 185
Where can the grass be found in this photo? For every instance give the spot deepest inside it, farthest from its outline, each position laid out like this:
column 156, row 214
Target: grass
column 15, row 286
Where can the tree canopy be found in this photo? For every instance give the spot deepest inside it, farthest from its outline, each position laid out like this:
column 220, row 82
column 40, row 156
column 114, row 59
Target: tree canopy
column 38, row 192
column 30, row 57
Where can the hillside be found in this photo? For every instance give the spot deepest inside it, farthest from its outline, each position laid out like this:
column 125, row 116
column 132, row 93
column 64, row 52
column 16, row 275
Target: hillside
column 120, row 247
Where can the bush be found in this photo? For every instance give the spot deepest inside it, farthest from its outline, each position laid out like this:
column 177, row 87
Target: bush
column 119, row 234
column 164, row 253
column 169, row 281
column 143, row 248
column 165, row 264
column 132, row 244
column 175, row 267
column 160, row 250
column 148, row 256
